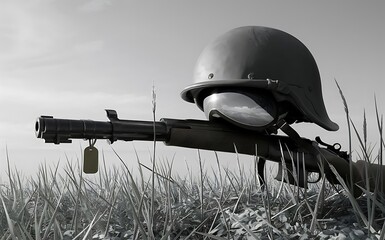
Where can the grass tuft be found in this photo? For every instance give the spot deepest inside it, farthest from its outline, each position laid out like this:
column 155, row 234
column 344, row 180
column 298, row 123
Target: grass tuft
column 116, row 204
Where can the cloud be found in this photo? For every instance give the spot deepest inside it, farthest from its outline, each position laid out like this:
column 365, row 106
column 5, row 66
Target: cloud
column 27, row 31
column 55, row 57
column 51, row 98
column 89, row 47
column 20, row 106
column 38, row 34
column 94, row 5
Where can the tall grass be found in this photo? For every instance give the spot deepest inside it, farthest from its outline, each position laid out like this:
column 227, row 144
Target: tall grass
column 374, row 199
column 114, row 203
column 218, row 204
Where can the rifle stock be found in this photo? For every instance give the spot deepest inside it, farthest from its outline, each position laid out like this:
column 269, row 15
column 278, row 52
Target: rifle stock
column 199, row 134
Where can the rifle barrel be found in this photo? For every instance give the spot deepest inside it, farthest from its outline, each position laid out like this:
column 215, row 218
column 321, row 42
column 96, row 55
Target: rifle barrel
column 54, row 130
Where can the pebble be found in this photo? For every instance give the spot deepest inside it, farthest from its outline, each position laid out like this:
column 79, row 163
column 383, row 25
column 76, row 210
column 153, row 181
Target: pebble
column 353, row 236
column 341, row 236
column 322, row 236
column 346, row 230
column 304, row 236
column 358, row 233
column 328, row 232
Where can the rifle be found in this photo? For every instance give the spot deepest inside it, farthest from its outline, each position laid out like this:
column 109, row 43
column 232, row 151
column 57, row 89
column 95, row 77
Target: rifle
column 217, row 136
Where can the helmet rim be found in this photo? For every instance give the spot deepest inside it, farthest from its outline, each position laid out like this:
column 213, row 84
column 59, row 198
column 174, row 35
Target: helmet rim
column 192, row 92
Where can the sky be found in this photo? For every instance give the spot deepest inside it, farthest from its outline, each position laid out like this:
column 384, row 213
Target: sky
column 75, row 58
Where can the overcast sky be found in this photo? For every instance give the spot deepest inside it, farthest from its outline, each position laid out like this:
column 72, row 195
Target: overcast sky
column 75, row 58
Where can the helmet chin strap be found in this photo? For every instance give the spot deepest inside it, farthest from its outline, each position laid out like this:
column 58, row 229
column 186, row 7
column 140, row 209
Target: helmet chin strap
column 310, row 146
column 288, row 130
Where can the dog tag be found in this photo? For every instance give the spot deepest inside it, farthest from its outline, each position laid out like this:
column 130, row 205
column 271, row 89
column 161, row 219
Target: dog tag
column 91, row 162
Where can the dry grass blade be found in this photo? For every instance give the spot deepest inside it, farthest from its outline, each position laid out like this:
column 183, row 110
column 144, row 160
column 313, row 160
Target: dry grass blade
column 271, row 227
column 132, row 181
column 285, row 173
column 362, row 143
column 353, row 201
column 367, row 179
column 382, row 144
column 201, row 182
column 220, row 175
column 140, row 169
column 382, row 232
column 36, row 225
column 43, row 215
column 135, row 212
column 106, row 175
column 212, row 236
column 224, row 218
column 372, row 197
column 198, row 227
column 166, row 235
column 247, row 229
column 320, row 198
column 342, row 97
column 284, row 209
column 267, row 206
column 238, row 200
column 365, row 130
column 214, row 221
column 89, row 227
column 77, row 197
column 113, row 201
column 152, row 211
column 379, row 123
column 239, row 166
column 11, row 226
column 26, row 201
column 156, row 173
column 11, row 182
column 349, row 131
column 24, row 231
column 77, row 211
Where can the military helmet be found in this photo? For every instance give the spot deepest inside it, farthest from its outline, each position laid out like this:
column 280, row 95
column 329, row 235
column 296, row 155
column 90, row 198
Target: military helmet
column 262, row 63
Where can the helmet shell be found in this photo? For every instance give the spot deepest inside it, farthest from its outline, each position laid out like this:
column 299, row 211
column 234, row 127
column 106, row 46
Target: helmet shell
column 248, row 57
